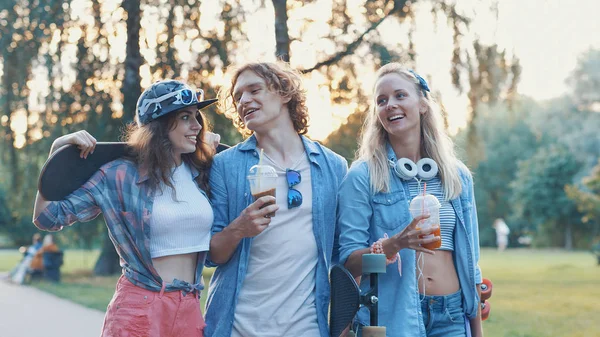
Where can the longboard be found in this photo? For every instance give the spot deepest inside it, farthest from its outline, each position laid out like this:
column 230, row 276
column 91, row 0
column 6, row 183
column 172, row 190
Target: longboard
column 64, row 172
column 346, row 297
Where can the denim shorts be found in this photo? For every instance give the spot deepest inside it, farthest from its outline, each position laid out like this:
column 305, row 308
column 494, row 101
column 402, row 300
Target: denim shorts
column 444, row 315
column 137, row 312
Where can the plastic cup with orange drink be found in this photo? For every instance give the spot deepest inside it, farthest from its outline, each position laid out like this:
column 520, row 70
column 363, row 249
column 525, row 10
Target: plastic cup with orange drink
column 427, row 204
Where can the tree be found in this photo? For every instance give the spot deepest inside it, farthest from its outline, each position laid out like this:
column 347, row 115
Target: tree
column 491, row 77
column 26, row 28
column 587, row 199
column 131, row 89
column 108, row 261
column 585, row 81
column 344, row 140
column 506, row 141
column 539, row 194
column 282, row 39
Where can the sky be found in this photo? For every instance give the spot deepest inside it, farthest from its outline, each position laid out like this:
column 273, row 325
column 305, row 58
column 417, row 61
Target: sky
column 547, row 36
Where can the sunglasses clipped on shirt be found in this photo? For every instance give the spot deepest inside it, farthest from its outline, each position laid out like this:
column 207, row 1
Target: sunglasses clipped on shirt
column 182, row 97
column 294, row 197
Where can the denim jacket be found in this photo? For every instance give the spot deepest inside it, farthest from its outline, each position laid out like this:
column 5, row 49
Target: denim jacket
column 230, row 195
column 365, row 217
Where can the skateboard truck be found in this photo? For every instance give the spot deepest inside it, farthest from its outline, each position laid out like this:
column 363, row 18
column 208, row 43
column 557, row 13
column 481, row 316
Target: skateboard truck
column 346, row 298
column 373, row 265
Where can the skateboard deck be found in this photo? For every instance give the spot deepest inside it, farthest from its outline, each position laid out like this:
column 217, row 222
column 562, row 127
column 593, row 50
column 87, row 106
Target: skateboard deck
column 345, row 300
column 64, row 172
column 346, row 297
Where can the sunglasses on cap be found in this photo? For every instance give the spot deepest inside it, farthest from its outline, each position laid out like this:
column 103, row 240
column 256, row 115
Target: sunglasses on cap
column 184, row 97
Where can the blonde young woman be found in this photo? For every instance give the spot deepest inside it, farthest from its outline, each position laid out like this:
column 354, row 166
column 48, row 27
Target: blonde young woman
column 424, row 292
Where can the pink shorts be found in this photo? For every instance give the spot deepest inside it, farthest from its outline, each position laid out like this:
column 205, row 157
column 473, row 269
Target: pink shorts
column 135, row 311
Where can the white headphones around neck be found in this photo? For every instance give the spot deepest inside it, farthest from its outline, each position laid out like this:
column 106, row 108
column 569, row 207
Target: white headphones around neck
column 406, row 169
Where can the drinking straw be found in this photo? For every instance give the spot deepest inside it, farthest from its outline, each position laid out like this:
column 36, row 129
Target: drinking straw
column 260, row 159
column 423, row 202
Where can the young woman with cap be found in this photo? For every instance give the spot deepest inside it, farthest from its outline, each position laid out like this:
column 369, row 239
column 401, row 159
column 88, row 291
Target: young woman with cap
column 156, row 209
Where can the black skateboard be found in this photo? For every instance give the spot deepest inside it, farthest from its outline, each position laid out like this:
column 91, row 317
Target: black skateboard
column 346, row 298
column 65, row 172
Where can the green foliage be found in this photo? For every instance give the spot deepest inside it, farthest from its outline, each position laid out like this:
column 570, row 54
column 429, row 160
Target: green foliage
column 491, row 75
column 344, row 140
column 505, row 141
column 531, row 153
column 587, row 198
column 539, row 188
column 585, row 80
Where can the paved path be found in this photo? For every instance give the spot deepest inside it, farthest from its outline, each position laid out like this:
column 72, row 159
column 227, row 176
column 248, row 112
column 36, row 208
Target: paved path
column 28, row 312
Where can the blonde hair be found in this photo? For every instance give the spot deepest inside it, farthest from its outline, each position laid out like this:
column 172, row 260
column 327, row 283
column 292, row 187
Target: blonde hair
column 435, row 142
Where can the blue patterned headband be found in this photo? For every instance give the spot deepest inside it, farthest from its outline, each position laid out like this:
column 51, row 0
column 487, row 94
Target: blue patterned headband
column 422, row 83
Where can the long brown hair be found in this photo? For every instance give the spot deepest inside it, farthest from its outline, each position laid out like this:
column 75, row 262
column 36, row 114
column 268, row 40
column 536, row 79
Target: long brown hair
column 152, row 150
column 280, row 78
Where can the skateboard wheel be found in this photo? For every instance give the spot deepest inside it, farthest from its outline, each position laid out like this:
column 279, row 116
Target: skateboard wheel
column 485, row 310
column 374, row 264
column 486, row 289
column 373, row 331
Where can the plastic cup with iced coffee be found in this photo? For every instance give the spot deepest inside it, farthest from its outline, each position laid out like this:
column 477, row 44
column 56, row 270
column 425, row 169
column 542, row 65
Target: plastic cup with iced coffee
column 263, row 181
column 427, row 204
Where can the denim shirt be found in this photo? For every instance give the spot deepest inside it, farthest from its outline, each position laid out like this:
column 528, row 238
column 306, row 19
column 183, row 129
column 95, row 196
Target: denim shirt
column 230, row 195
column 365, row 217
column 120, row 191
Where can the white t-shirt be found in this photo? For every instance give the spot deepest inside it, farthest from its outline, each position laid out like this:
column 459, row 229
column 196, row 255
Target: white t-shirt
column 180, row 226
column 501, row 228
column 277, row 297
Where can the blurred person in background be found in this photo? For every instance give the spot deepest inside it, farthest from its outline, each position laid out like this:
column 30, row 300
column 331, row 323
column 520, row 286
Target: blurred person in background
column 502, row 232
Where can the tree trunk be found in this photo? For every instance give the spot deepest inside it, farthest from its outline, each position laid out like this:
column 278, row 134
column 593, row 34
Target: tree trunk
column 8, row 79
column 133, row 59
column 282, row 38
column 108, row 261
column 569, row 236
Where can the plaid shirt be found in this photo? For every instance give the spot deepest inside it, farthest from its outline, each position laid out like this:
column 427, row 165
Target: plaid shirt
column 118, row 190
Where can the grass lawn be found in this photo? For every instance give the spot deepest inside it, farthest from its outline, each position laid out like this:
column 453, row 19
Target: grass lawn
column 77, row 283
column 549, row 293
column 542, row 293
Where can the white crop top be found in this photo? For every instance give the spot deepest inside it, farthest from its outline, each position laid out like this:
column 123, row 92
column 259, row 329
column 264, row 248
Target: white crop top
column 180, row 226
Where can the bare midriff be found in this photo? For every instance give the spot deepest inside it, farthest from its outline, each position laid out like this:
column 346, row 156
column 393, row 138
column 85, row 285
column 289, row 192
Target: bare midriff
column 181, row 267
column 439, row 274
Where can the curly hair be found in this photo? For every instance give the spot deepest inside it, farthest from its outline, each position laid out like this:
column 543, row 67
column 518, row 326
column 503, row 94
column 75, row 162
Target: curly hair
column 280, row 78
column 152, row 150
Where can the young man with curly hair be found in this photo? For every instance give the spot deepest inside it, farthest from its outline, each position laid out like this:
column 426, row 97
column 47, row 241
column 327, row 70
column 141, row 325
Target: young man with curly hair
column 271, row 276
